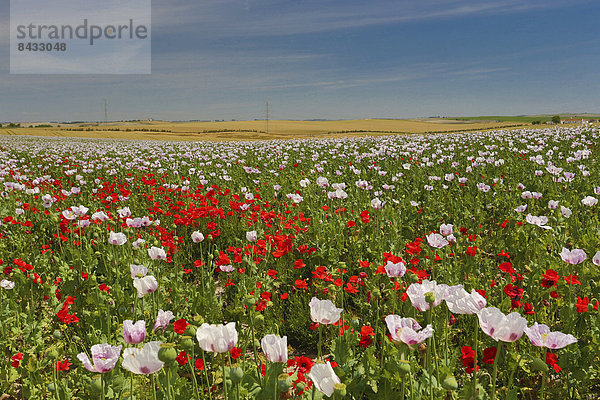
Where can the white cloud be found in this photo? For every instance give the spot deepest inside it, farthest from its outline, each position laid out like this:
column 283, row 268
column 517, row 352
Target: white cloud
column 218, row 18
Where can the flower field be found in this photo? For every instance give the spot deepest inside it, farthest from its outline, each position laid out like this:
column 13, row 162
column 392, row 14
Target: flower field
column 457, row 266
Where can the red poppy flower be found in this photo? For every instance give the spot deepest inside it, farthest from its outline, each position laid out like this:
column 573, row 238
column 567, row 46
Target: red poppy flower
column 513, row 292
column 304, row 364
column 199, row 364
column 182, row 358
column 572, row 280
column 365, row 341
column 272, row 273
column 364, row 215
column 367, row 331
column 582, row 304
column 489, row 355
column 506, row 267
column 468, row 359
column 471, row 251
column 16, row 359
column 300, row 284
column 235, row 353
column 62, row 366
column 549, row 279
column 552, row 361
column 180, row 325
column 451, row 320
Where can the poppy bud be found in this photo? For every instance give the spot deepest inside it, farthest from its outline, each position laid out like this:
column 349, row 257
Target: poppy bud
column 452, row 320
column 259, row 319
column 236, row 374
column 414, row 278
column 339, row 389
column 355, row 323
column 404, row 367
column 190, row 330
column 539, row 365
column 51, row 387
column 300, row 386
column 429, row 297
column 450, row 383
column 187, row 343
column 52, row 354
column 96, row 385
column 167, row 353
column 283, row 383
column 57, row 334
column 546, row 303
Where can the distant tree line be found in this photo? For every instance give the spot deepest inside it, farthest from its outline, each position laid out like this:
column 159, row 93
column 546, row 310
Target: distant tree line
column 115, row 130
column 11, row 125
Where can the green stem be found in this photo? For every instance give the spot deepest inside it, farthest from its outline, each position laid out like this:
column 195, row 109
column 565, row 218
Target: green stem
column 103, row 384
column 197, row 395
column 543, row 390
column 412, row 386
column 206, row 376
column 428, row 356
column 476, row 349
column 153, row 386
column 435, row 360
column 54, row 379
column 320, row 341
column 512, row 374
column 168, row 375
column 135, row 301
column 224, row 383
column 254, row 348
column 496, row 361
column 131, row 385
column 446, row 329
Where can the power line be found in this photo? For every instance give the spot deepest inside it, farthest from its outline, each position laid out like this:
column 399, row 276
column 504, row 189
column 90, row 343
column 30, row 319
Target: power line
column 105, row 111
column 267, row 117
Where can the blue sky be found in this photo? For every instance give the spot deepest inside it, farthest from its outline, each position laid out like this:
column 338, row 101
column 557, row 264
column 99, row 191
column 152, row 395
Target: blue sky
column 223, row 59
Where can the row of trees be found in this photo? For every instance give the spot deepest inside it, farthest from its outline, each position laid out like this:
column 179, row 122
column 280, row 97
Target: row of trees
column 11, row 125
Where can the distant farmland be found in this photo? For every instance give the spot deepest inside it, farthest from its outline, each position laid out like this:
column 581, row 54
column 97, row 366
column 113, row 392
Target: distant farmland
column 256, row 130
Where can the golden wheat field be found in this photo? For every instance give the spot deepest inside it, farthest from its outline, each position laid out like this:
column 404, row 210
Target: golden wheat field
column 254, row 130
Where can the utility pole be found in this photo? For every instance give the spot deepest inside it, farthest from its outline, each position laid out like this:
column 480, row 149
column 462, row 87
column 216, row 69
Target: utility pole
column 105, row 111
column 267, row 116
